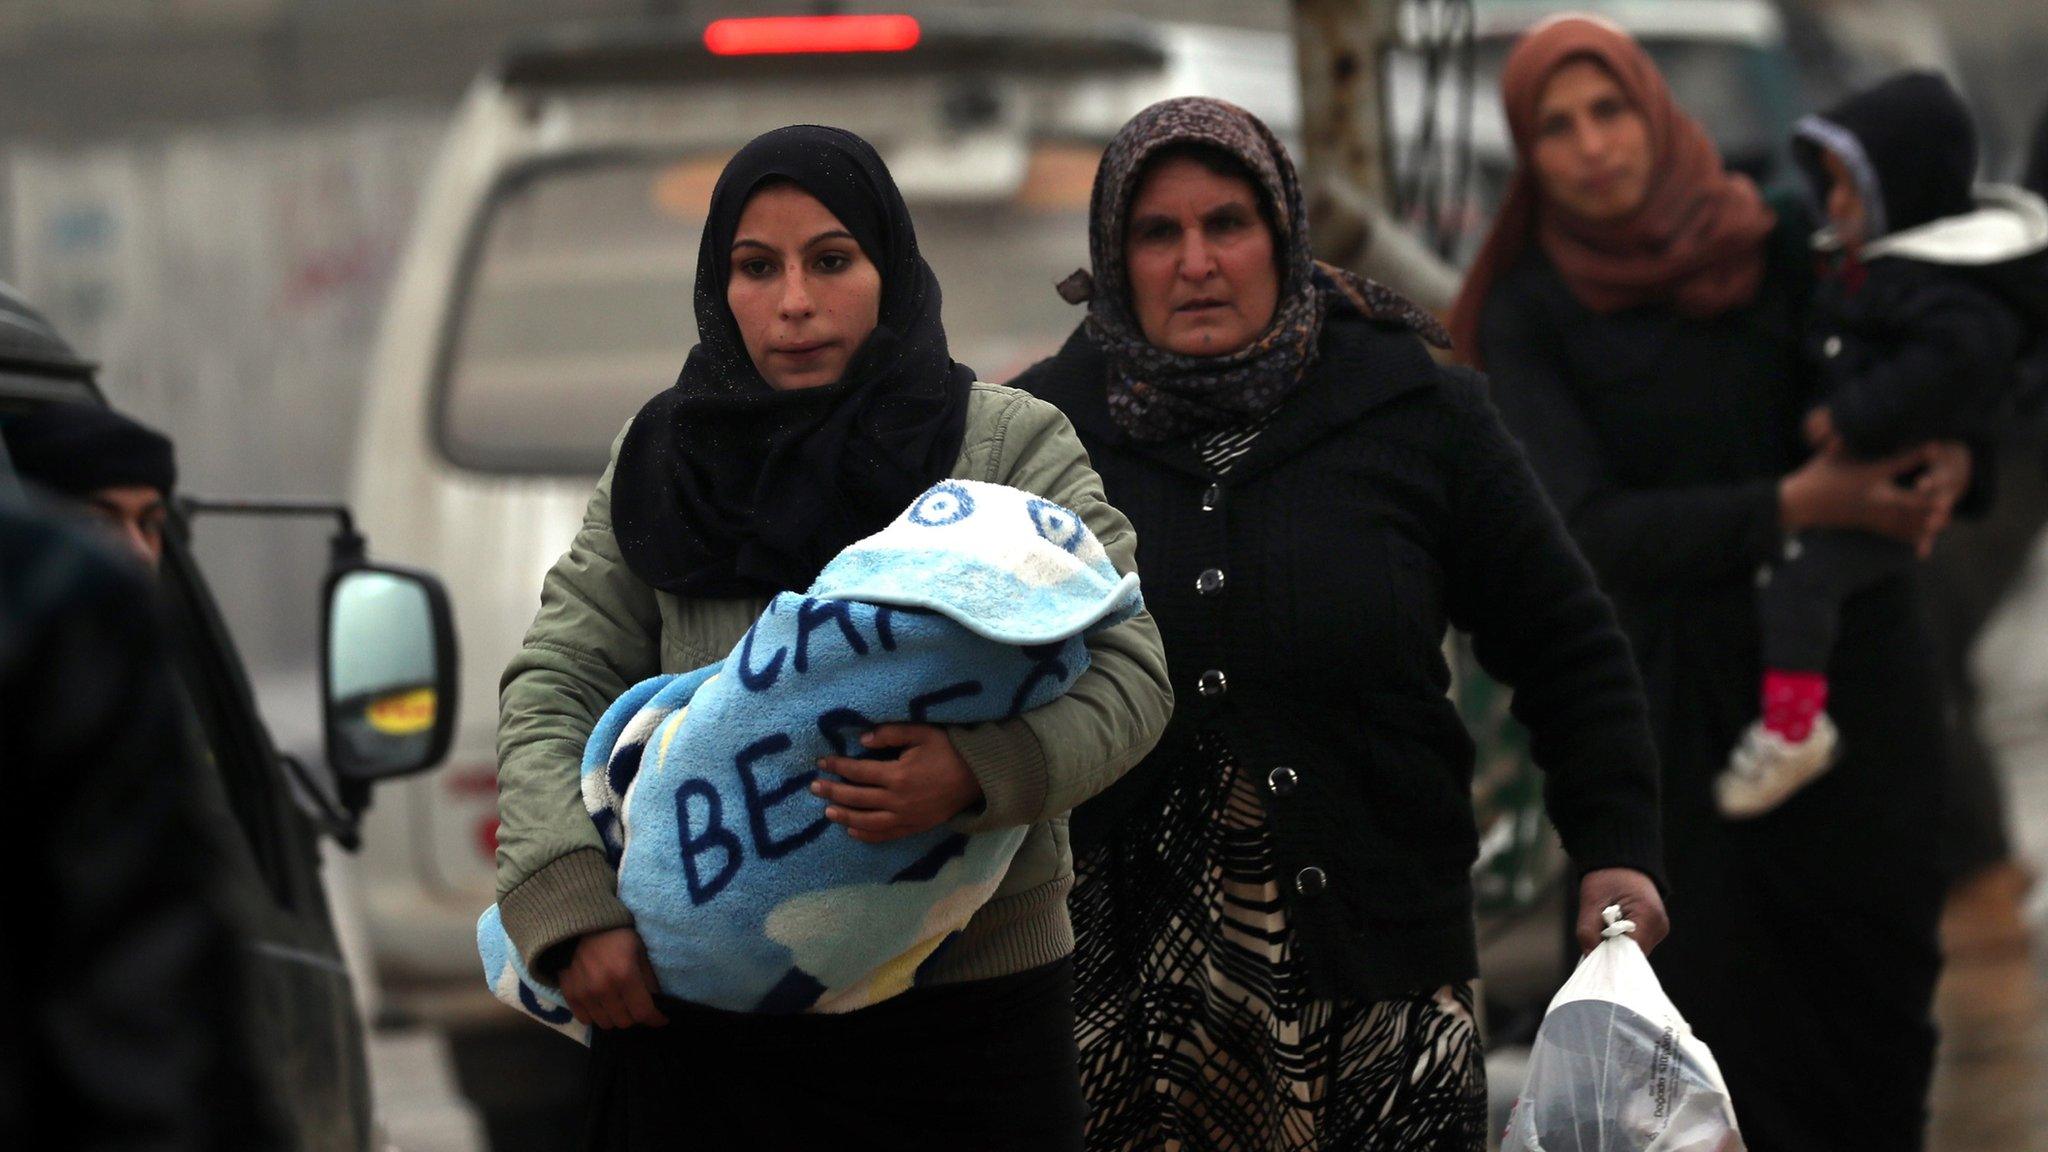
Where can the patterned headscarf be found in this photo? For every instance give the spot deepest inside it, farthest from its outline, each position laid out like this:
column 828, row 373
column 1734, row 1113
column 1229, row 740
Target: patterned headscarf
column 1157, row 395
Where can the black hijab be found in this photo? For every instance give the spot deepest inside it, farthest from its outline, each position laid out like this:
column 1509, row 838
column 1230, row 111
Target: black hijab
column 727, row 487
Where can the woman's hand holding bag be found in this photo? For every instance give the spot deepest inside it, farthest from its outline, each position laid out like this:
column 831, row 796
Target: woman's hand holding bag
column 1632, row 892
column 1615, row 1068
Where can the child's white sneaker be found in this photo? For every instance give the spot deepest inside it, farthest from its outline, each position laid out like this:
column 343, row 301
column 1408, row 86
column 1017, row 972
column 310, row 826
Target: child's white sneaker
column 1766, row 768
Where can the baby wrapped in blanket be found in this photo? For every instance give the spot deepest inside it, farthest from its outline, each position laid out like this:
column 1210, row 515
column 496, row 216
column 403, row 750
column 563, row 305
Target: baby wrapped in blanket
column 968, row 607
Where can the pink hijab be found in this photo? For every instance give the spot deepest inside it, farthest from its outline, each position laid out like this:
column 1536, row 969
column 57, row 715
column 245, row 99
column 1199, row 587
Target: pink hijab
column 1697, row 241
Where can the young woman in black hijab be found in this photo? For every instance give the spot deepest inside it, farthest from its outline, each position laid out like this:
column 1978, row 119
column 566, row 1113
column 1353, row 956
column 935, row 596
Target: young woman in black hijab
column 819, row 402
column 838, row 432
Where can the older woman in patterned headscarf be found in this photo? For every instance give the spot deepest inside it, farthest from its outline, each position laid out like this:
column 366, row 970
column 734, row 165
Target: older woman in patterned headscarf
column 1274, row 911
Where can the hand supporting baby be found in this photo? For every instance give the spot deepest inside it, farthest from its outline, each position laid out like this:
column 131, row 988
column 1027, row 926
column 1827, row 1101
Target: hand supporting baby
column 877, row 801
column 609, row 982
column 1834, row 489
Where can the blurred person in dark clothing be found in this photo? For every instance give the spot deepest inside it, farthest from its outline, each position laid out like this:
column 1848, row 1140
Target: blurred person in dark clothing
column 1968, row 579
column 1639, row 311
column 103, row 462
column 2036, row 176
column 127, row 1031
column 2033, row 387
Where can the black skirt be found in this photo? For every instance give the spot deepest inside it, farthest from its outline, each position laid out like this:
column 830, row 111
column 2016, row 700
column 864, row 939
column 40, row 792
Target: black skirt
column 988, row 1064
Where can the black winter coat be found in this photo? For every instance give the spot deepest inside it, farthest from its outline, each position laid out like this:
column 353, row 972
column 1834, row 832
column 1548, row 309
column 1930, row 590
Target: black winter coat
column 1303, row 598
column 1909, row 352
column 1803, row 946
column 131, row 984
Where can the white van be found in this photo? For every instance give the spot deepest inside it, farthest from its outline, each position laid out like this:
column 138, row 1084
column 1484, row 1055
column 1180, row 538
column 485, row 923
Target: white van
column 546, row 294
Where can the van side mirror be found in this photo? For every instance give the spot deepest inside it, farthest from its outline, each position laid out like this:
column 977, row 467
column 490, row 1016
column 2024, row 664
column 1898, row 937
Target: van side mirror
column 387, row 674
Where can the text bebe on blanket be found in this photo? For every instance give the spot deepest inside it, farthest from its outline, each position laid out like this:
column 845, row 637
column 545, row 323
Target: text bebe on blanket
column 968, row 607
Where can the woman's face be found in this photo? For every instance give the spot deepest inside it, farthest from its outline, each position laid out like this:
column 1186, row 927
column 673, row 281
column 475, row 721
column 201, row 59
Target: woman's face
column 804, row 293
column 1200, row 260
column 1592, row 151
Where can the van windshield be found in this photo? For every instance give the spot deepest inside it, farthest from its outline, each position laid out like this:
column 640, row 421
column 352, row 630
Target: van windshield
column 576, row 306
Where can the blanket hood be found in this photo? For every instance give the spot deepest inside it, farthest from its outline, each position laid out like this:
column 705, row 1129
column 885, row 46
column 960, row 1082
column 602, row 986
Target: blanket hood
column 999, row 561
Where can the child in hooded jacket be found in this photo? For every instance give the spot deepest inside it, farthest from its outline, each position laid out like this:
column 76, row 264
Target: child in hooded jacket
column 1918, row 322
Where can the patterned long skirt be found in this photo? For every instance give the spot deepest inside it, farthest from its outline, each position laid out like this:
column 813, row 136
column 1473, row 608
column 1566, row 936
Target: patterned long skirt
column 1196, row 1025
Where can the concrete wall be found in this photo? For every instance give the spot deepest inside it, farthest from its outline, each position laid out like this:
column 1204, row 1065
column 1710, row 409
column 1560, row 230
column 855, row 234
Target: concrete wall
column 229, row 280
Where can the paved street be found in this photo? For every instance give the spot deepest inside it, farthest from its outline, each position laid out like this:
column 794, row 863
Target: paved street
column 1991, row 1085
column 1991, row 1088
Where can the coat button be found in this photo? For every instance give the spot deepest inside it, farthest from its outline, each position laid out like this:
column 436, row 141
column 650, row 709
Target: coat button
column 1831, row 347
column 1310, row 881
column 1282, row 781
column 1210, row 582
column 1213, row 498
column 1213, row 683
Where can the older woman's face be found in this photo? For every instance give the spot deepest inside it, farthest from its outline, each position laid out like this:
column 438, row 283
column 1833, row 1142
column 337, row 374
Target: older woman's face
column 804, row 293
column 1591, row 152
column 1200, row 260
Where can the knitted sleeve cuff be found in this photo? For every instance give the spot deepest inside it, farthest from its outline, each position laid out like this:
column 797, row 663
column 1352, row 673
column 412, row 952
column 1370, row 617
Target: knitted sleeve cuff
column 1639, row 848
column 1008, row 761
column 571, row 896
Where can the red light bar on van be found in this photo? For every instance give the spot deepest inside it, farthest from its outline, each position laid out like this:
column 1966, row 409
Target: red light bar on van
column 776, row 35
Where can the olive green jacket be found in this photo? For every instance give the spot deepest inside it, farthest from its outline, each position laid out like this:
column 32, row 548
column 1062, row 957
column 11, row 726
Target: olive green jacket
column 601, row 629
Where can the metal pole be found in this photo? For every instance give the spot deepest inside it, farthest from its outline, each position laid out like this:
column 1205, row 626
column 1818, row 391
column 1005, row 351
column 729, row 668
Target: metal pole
column 1344, row 156
column 347, row 546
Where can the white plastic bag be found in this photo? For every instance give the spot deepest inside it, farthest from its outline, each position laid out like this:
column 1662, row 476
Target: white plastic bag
column 1616, row 1069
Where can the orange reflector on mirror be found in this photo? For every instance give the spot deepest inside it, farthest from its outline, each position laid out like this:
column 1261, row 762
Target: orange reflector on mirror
column 407, row 713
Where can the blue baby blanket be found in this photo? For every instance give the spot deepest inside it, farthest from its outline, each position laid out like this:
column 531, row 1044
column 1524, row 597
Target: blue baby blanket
column 968, row 607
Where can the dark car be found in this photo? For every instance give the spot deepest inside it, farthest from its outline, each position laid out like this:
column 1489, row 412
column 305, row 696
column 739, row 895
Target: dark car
column 388, row 671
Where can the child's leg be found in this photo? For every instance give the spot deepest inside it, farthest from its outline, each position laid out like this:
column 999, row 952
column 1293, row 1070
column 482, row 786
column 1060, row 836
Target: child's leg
column 1792, row 702
column 1799, row 602
column 1799, row 605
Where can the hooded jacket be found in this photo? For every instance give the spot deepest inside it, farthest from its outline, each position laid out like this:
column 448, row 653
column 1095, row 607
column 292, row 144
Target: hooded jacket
column 1917, row 335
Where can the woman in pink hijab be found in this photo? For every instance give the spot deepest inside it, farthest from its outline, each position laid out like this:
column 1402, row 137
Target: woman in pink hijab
column 1638, row 309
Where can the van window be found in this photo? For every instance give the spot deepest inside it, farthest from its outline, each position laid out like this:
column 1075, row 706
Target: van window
column 576, row 303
